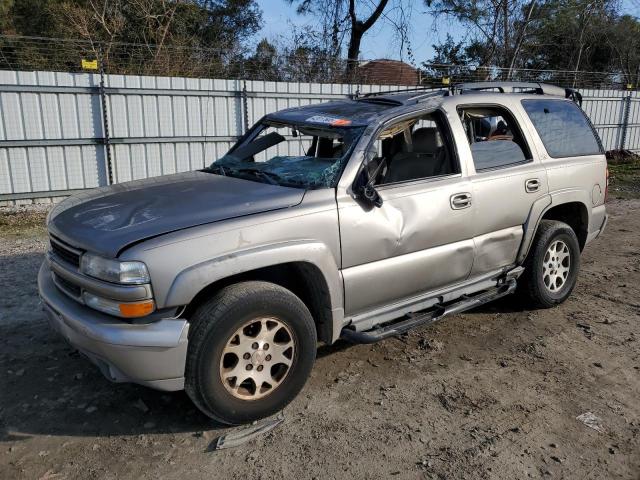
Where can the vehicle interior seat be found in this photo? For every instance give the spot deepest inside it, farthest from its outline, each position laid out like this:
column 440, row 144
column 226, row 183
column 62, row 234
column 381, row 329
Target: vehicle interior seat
column 426, row 157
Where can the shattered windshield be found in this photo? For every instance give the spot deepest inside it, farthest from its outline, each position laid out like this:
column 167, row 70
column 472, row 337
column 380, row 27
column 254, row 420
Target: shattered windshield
column 301, row 156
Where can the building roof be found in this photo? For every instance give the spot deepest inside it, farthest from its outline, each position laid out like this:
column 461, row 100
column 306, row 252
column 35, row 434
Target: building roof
column 387, row 72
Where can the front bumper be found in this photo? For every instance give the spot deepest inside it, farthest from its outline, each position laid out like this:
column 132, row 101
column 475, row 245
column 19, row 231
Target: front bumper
column 151, row 354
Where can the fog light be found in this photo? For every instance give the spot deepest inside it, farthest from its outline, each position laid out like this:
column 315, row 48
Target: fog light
column 118, row 309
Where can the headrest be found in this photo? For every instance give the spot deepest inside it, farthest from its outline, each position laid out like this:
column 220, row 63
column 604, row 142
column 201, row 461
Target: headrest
column 426, row 140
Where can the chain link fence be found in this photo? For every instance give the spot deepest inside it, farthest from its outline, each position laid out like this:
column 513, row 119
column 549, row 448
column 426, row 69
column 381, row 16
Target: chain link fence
column 301, row 65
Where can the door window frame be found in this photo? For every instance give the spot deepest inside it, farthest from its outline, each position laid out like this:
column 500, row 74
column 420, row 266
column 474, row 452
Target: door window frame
column 447, row 137
column 531, row 159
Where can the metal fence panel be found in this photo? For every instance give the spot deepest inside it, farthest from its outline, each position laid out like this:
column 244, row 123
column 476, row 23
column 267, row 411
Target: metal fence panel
column 53, row 137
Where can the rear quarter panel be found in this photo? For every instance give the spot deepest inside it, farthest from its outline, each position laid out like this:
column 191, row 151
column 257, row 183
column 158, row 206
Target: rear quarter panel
column 574, row 179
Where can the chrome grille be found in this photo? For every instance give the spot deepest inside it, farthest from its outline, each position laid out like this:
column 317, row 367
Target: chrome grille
column 65, row 252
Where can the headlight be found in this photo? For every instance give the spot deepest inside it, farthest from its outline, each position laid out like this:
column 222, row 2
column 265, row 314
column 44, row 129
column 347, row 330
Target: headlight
column 113, row 270
column 112, row 307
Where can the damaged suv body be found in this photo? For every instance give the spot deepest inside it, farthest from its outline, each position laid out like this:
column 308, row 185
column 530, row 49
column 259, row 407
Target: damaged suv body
column 357, row 219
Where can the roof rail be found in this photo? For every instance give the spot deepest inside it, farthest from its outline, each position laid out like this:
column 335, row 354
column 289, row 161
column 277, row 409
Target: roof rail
column 402, row 90
column 521, row 87
column 402, row 97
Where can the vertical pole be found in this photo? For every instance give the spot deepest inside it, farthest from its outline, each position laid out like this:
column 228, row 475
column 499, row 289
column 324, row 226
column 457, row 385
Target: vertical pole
column 245, row 107
column 625, row 121
column 105, row 124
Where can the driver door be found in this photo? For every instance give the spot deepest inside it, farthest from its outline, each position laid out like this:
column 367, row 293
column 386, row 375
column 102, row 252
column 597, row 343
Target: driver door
column 421, row 238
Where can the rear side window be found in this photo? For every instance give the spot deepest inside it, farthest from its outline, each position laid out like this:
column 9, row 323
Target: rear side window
column 494, row 137
column 563, row 128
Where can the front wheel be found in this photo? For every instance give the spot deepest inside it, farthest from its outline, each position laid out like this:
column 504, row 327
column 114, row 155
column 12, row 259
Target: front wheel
column 251, row 349
column 552, row 266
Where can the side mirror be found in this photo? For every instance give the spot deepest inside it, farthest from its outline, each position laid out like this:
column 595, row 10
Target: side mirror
column 372, row 196
column 363, row 186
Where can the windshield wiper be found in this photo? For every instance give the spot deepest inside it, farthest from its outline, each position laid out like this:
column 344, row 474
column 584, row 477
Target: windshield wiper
column 270, row 177
column 215, row 169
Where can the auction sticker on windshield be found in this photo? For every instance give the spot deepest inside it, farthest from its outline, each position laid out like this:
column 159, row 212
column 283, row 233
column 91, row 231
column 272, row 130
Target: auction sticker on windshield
column 338, row 122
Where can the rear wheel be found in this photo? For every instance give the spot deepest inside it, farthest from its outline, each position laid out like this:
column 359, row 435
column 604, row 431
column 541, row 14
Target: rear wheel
column 251, row 349
column 552, row 266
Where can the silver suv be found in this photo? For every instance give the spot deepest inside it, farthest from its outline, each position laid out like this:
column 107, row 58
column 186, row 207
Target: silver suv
column 357, row 219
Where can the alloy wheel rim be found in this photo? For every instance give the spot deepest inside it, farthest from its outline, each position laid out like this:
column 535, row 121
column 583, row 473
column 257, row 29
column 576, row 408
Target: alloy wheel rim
column 556, row 266
column 257, row 358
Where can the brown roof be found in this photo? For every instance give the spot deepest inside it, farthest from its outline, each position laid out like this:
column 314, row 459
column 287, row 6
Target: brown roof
column 387, row 72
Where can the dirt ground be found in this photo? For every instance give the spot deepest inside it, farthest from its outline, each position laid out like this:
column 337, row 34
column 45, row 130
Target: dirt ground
column 493, row 393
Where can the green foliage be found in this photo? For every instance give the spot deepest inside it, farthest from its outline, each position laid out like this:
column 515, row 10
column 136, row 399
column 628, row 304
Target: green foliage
column 130, row 36
column 205, row 23
column 566, row 35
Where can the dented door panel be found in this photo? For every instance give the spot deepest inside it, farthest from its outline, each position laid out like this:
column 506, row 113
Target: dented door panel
column 496, row 249
column 413, row 243
column 381, row 282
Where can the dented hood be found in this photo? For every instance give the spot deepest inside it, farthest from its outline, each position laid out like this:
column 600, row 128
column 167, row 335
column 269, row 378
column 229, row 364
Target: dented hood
column 107, row 220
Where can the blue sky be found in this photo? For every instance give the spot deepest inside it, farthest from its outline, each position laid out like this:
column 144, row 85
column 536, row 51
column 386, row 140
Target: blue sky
column 379, row 42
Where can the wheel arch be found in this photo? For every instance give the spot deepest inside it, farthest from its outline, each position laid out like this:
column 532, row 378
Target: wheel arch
column 308, row 270
column 569, row 207
column 303, row 279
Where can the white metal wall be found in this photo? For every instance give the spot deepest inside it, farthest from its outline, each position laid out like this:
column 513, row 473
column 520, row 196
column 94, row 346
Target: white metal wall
column 52, row 133
column 606, row 109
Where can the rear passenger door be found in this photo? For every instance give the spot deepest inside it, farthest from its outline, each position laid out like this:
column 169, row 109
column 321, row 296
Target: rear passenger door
column 506, row 178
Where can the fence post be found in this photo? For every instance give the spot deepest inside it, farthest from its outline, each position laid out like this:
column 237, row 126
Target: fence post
column 245, row 107
column 625, row 120
column 105, row 124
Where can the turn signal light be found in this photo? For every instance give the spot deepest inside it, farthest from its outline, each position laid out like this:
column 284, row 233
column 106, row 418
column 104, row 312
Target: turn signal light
column 133, row 310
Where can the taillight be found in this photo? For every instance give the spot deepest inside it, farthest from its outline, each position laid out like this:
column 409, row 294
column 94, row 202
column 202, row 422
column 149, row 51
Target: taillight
column 606, row 185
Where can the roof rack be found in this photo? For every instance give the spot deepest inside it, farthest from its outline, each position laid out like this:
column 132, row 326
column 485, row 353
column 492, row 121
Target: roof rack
column 404, row 96
column 396, row 97
column 520, row 87
column 400, row 90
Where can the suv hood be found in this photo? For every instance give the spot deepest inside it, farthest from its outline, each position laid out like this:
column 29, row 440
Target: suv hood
column 108, row 219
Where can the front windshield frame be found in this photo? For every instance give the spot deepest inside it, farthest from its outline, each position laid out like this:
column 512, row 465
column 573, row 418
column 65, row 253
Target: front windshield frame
column 228, row 164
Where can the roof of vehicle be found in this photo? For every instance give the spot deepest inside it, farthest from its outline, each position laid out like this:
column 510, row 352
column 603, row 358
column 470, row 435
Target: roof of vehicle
column 363, row 110
column 344, row 113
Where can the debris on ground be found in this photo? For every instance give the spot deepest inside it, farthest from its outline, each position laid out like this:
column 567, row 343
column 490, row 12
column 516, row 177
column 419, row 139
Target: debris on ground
column 243, row 435
column 591, row 421
column 430, row 345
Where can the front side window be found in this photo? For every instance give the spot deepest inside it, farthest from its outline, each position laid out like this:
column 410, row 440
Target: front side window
column 563, row 128
column 494, row 137
column 412, row 149
column 290, row 155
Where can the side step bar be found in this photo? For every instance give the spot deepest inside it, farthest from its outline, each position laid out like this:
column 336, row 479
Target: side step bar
column 436, row 313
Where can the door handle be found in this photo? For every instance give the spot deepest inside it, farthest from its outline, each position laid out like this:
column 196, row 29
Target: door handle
column 532, row 185
column 460, row 201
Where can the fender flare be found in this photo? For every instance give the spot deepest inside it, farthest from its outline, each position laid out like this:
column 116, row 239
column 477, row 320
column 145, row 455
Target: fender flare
column 540, row 207
column 192, row 280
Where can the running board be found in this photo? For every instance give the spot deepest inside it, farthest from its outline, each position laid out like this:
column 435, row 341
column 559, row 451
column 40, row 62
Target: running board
column 436, row 313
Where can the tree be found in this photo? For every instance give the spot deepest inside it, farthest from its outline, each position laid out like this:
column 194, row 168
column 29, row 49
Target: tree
column 624, row 41
column 263, row 63
column 148, row 32
column 139, row 32
column 450, row 52
column 358, row 29
column 354, row 19
column 497, row 28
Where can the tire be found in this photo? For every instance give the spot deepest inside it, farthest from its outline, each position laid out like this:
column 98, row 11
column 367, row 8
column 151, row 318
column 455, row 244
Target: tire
column 544, row 283
column 251, row 323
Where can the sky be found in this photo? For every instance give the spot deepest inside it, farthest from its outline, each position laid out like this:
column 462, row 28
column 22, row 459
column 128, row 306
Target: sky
column 380, row 41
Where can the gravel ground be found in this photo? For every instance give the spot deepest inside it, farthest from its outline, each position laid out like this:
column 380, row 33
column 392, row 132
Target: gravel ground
column 499, row 392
